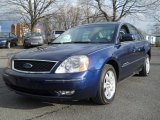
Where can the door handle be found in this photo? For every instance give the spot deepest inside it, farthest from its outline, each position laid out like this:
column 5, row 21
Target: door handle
column 141, row 48
column 138, row 48
column 134, row 50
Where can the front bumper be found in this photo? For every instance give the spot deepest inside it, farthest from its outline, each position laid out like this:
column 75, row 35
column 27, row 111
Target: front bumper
column 29, row 43
column 84, row 84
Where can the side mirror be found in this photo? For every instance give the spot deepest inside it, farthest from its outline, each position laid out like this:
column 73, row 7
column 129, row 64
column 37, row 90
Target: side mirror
column 126, row 37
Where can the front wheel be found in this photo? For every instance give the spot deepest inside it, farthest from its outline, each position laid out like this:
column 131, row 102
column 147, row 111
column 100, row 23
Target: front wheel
column 107, row 86
column 146, row 67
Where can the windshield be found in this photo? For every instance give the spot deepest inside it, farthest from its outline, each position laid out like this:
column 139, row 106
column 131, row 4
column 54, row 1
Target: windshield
column 4, row 34
column 88, row 34
column 33, row 34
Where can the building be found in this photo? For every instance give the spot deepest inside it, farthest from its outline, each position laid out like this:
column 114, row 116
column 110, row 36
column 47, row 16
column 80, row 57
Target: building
column 20, row 29
column 151, row 39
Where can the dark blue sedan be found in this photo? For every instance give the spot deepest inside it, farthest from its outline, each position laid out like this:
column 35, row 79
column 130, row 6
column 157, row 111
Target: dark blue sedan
column 84, row 62
column 8, row 39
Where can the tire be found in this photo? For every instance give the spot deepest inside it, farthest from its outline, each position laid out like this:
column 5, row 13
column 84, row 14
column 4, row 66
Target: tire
column 8, row 45
column 16, row 44
column 107, row 86
column 146, row 67
column 25, row 47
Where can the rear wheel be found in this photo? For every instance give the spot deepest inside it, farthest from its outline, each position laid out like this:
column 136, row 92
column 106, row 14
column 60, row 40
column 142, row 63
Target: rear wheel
column 16, row 44
column 146, row 67
column 25, row 46
column 9, row 45
column 107, row 86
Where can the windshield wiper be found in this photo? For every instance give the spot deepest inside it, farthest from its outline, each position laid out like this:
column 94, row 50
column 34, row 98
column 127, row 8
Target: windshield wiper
column 71, row 42
column 80, row 42
column 55, row 43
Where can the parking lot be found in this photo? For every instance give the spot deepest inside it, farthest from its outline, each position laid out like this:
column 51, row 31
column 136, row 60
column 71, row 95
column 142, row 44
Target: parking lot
column 137, row 98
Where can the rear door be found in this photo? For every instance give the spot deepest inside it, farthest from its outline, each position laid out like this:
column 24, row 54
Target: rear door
column 139, row 48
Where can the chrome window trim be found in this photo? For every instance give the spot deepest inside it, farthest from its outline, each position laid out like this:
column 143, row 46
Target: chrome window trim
column 33, row 60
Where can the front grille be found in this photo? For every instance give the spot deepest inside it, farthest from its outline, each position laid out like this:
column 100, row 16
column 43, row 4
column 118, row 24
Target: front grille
column 36, row 66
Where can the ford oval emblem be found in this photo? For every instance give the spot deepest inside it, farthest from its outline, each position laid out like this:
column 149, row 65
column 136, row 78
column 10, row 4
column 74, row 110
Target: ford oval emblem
column 27, row 65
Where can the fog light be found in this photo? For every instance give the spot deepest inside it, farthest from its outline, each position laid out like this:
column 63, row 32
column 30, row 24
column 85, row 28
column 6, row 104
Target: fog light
column 66, row 92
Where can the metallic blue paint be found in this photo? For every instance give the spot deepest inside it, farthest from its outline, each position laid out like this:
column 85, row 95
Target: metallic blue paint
column 128, row 56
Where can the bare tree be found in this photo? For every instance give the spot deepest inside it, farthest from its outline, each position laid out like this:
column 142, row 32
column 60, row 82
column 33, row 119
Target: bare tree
column 32, row 10
column 66, row 18
column 115, row 10
column 155, row 15
column 156, row 29
column 88, row 12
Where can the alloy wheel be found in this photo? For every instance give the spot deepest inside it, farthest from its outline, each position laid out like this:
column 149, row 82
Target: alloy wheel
column 109, row 84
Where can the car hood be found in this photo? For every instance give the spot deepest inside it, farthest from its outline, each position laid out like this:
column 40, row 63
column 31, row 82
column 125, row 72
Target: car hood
column 3, row 38
column 33, row 38
column 59, row 52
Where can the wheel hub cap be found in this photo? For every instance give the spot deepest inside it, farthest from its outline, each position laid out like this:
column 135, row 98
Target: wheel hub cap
column 147, row 65
column 109, row 84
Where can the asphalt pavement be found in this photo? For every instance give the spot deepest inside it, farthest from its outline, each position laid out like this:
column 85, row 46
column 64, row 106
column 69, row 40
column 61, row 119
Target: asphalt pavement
column 137, row 98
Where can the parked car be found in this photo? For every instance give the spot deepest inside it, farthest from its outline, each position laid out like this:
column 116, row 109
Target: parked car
column 33, row 39
column 85, row 62
column 53, row 35
column 8, row 39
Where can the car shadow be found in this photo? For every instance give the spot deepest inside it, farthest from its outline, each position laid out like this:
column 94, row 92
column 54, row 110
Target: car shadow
column 14, row 101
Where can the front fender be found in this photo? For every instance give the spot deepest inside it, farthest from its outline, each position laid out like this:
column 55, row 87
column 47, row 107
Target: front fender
column 100, row 58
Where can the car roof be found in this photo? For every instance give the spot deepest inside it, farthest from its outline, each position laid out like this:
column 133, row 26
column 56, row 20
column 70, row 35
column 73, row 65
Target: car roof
column 115, row 23
column 104, row 23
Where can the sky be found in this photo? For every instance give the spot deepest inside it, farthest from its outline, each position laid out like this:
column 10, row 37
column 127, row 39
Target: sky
column 6, row 25
column 143, row 23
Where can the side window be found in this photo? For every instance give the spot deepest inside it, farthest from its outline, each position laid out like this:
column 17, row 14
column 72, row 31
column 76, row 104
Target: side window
column 12, row 35
column 137, row 36
column 124, row 30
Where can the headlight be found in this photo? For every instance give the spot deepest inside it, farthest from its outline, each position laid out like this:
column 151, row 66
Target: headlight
column 74, row 64
column 9, row 65
column 3, row 41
